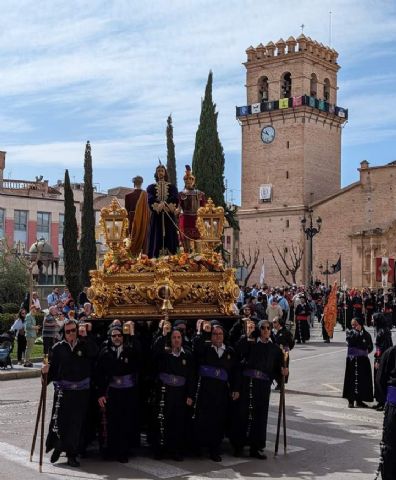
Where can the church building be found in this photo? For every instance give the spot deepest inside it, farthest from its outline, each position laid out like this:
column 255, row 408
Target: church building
column 291, row 171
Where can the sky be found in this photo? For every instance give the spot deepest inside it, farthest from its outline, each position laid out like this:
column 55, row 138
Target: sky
column 112, row 71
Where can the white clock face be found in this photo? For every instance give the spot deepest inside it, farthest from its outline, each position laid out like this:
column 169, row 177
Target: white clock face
column 268, row 134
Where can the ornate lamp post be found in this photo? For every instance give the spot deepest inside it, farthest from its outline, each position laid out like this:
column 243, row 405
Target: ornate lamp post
column 114, row 221
column 210, row 223
column 310, row 231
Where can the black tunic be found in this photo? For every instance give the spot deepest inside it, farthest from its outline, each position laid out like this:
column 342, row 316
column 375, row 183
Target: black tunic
column 72, row 365
column 284, row 338
column 213, row 395
column 383, row 341
column 170, row 411
column 120, row 424
column 387, row 377
column 358, row 381
column 302, row 326
column 254, row 393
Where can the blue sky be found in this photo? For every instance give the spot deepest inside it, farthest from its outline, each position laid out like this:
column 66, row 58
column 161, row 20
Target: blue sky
column 112, row 71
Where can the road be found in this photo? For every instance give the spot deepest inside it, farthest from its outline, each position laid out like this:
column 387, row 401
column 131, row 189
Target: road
column 326, row 439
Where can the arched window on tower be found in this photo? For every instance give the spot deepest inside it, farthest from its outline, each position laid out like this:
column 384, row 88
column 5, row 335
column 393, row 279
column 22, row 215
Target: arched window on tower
column 262, row 85
column 314, row 86
column 285, row 85
column 326, row 89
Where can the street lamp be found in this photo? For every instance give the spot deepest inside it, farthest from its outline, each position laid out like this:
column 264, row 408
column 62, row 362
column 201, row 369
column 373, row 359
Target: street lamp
column 310, row 231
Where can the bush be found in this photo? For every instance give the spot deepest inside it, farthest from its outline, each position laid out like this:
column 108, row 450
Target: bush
column 7, row 319
column 10, row 308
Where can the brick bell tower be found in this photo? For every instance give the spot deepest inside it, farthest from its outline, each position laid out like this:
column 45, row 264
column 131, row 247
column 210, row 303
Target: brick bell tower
column 291, row 142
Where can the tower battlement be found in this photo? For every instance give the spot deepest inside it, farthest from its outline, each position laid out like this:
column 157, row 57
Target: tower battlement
column 291, row 46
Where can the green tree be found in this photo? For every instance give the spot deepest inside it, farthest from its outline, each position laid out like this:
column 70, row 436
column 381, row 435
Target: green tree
column 208, row 159
column 70, row 237
column 14, row 279
column 87, row 243
column 171, row 157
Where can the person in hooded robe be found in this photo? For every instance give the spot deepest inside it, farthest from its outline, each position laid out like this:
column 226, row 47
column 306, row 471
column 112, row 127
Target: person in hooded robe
column 358, row 379
column 116, row 376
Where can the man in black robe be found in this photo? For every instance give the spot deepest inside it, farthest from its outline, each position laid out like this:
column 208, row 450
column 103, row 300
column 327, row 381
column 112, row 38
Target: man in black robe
column 163, row 199
column 386, row 383
column 283, row 338
column 261, row 363
column 116, row 378
column 70, row 370
column 174, row 390
column 358, row 381
column 217, row 383
column 302, row 315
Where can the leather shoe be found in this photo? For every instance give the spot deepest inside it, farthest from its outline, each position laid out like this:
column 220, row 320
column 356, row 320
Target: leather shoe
column 361, row 405
column 55, row 456
column 73, row 462
column 215, row 457
column 258, row 454
column 238, row 452
column 123, row 458
column 351, row 404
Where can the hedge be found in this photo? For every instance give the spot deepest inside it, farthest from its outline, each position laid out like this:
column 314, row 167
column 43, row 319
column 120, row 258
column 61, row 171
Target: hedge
column 10, row 307
column 7, row 319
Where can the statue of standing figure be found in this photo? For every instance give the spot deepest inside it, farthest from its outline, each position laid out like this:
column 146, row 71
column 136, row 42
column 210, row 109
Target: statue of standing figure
column 136, row 205
column 190, row 199
column 163, row 201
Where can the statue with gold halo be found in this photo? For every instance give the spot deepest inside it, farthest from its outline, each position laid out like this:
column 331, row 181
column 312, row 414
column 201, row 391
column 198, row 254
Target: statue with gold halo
column 163, row 201
column 136, row 205
column 190, row 199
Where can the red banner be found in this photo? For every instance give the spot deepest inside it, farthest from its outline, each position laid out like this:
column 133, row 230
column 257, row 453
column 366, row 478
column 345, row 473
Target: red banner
column 385, row 265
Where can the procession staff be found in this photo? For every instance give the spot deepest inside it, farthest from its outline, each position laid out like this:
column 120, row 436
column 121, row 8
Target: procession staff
column 358, row 381
column 116, row 377
column 173, row 394
column 70, row 370
column 261, row 363
column 217, row 384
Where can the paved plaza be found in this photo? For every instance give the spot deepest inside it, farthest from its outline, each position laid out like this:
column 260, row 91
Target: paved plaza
column 326, row 439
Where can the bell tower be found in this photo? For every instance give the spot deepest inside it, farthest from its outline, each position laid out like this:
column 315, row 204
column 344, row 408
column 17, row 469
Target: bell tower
column 291, row 137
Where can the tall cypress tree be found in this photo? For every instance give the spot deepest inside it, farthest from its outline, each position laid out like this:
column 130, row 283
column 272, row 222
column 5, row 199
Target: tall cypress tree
column 70, row 236
column 208, row 159
column 87, row 243
column 171, row 158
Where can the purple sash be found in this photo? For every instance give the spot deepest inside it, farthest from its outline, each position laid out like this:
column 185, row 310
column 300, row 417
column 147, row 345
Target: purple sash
column 213, row 372
column 391, row 396
column 70, row 385
column 172, row 380
column 123, row 381
column 356, row 352
column 257, row 374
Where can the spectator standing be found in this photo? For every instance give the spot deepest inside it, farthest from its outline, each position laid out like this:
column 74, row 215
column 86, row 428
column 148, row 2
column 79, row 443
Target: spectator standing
column 65, row 295
column 50, row 329
column 31, row 330
column 274, row 310
column 36, row 301
column 19, row 328
column 53, row 297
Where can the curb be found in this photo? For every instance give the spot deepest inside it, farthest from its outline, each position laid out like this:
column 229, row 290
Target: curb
column 20, row 372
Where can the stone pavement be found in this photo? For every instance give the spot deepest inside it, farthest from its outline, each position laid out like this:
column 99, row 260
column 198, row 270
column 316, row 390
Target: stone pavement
column 19, row 371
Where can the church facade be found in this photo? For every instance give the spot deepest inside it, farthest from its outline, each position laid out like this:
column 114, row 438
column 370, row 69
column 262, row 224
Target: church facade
column 291, row 167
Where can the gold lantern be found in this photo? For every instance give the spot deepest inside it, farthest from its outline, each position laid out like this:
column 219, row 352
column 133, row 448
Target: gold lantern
column 210, row 223
column 114, row 222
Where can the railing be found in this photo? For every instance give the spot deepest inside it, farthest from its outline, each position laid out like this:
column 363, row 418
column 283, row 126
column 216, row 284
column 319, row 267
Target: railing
column 23, row 185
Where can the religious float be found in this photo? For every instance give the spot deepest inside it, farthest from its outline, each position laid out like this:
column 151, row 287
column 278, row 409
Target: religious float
column 193, row 284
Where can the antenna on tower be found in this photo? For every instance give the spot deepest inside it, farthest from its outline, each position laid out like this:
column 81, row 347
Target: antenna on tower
column 302, row 26
column 330, row 27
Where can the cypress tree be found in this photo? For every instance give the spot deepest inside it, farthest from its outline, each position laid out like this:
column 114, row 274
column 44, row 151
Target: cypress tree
column 171, row 158
column 70, row 237
column 87, row 243
column 208, row 159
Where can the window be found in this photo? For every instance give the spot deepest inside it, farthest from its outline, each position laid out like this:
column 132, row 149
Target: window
column 43, row 225
column 314, row 85
column 285, row 86
column 326, row 89
column 2, row 220
column 263, row 89
column 20, row 226
column 60, row 228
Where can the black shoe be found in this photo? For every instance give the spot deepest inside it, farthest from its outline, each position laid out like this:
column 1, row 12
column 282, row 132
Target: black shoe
column 177, row 457
column 361, row 405
column 258, row 454
column 238, row 452
column 55, row 456
column 215, row 457
column 122, row 459
column 299, row 342
column 326, row 341
column 73, row 462
column 351, row 404
column 277, row 388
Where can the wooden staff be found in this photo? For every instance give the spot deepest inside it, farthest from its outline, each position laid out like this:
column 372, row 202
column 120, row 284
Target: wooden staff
column 282, row 409
column 44, row 402
column 37, row 424
column 285, row 362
